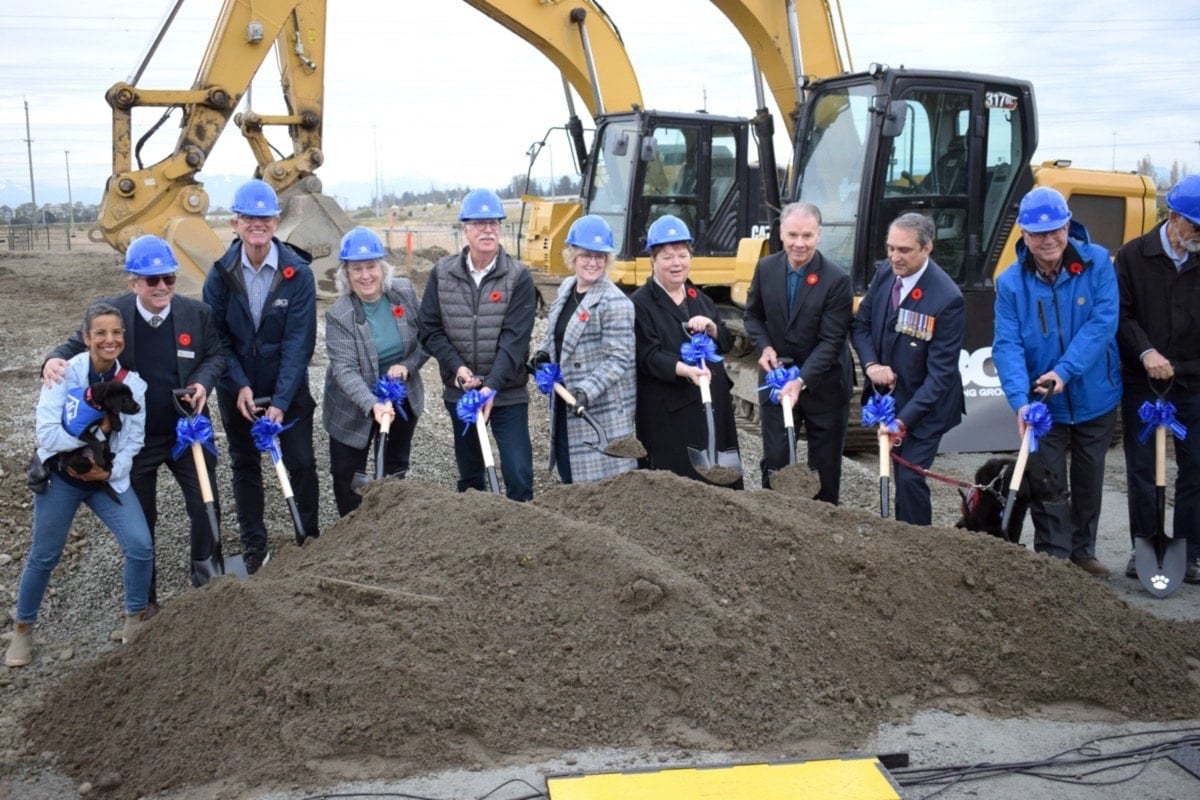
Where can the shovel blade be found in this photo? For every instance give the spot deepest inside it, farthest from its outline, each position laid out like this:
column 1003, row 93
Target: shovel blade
column 360, row 482
column 1161, row 563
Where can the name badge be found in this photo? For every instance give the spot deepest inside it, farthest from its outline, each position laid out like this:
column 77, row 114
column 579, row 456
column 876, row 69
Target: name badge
column 280, row 303
column 185, row 354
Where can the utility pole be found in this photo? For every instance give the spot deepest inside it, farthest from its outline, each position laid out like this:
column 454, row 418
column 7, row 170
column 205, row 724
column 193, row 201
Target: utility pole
column 375, row 146
column 1114, row 163
column 29, row 150
column 70, row 201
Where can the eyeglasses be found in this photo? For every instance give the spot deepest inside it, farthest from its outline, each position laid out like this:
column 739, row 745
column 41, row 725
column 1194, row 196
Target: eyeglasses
column 1045, row 234
column 152, row 280
column 485, row 224
column 591, row 258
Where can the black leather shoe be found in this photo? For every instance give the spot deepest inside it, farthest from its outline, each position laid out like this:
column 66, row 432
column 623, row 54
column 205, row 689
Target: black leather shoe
column 1193, row 572
column 255, row 560
column 1131, row 566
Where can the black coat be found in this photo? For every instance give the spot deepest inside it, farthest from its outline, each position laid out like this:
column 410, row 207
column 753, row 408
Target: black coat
column 670, row 416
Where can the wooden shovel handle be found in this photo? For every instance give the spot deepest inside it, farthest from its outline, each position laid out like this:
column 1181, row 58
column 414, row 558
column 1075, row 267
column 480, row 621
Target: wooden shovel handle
column 385, row 424
column 705, row 390
column 885, row 451
column 1022, row 459
column 285, row 482
column 484, row 445
column 562, row 392
column 789, row 421
column 206, row 492
column 1160, row 456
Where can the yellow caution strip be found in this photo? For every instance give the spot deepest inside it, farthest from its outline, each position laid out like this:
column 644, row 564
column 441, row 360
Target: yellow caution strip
column 826, row 779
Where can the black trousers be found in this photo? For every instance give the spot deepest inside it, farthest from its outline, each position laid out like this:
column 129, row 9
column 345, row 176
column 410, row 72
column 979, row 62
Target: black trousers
column 825, row 431
column 143, row 475
column 245, row 461
column 345, row 460
column 1065, row 526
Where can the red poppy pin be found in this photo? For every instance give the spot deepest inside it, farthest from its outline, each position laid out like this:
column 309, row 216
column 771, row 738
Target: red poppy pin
column 494, row 297
column 691, row 293
column 583, row 316
column 1075, row 268
column 916, row 294
column 185, row 339
column 289, row 272
column 811, row 279
column 397, row 311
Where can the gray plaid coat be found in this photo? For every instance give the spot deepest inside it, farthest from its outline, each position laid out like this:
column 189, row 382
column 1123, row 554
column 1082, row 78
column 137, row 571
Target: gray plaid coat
column 354, row 363
column 598, row 357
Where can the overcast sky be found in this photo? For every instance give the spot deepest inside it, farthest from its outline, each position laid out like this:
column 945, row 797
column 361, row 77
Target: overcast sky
column 437, row 92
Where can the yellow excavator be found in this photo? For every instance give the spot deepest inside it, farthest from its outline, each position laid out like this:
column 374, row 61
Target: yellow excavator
column 165, row 198
column 867, row 146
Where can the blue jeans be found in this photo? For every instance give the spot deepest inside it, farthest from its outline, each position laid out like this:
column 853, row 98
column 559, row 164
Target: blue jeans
column 510, row 426
column 53, row 513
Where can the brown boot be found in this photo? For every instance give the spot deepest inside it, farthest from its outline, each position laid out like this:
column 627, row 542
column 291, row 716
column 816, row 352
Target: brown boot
column 20, row 649
column 133, row 625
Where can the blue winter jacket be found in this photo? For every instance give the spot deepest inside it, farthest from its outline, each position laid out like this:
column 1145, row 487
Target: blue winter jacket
column 1070, row 327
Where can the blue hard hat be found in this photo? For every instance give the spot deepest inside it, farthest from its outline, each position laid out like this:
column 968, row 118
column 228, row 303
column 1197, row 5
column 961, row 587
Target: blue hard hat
column 361, row 244
column 255, row 198
column 481, row 204
column 150, row 255
column 591, row 233
column 1184, row 198
column 1043, row 209
column 666, row 230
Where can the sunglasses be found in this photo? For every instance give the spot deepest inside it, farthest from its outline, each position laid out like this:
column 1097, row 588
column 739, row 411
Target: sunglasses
column 152, row 280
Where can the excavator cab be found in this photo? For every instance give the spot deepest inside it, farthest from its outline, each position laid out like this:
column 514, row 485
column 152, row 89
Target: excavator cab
column 646, row 164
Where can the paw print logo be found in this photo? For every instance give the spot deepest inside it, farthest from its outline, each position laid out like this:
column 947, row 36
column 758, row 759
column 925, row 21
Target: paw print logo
column 1159, row 582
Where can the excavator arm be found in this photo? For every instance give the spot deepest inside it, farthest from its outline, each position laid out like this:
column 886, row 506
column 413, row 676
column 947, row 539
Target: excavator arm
column 581, row 40
column 165, row 198
column 791, row 41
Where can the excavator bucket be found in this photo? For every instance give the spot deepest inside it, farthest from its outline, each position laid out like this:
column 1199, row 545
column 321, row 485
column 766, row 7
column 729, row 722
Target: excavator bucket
column 315, row 223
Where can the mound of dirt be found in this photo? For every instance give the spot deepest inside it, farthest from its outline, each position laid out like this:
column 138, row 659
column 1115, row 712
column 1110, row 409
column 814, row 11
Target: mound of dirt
column 431, row 629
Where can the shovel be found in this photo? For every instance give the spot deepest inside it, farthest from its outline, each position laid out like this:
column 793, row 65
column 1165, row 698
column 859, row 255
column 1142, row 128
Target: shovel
column 880, row 411
column 1161, row 560
column 625, row 447
column 195, row 434
column 266, row 438
column 725, row 466
column 360, row 480
column 1037, row 416
column 467, row 409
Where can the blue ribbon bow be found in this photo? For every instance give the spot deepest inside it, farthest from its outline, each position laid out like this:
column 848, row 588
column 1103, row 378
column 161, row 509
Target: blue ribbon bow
column 699, row 349
column 546, row 376
column 1037, row 417
column 468, row 406
column 190, row 430
column 393, row 390
column 880, row 410
column 777, row 378
column 1159, row 413
column 265, row 432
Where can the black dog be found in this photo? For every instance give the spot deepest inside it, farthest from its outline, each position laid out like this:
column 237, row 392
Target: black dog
column 983, row 505
column 113, row 399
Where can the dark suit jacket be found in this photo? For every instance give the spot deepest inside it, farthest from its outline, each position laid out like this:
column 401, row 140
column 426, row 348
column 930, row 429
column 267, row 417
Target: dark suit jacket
column 929, row 390
column 815, row 333
column 199, row 354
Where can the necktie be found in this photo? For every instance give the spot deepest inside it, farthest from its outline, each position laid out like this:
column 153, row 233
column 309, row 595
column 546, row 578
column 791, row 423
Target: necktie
column 155, row 321
column 793, row 287
column 896, row 294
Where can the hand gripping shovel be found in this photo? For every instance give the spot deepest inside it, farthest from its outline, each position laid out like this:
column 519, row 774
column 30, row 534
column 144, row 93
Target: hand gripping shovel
column 394, row 391
column 880, row 412
column 468, row 410
column 775, row 381
column 194, row 432
column 549, row 379
column 1037, row 424
column 725, row 466
column 266, row 438
column 1161, row 560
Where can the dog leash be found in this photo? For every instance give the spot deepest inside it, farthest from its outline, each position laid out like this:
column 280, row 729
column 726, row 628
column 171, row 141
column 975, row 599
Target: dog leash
column 947, row 479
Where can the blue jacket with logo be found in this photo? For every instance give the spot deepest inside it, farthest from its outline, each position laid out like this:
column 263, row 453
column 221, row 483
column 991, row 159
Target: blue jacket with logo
column 1070, row 328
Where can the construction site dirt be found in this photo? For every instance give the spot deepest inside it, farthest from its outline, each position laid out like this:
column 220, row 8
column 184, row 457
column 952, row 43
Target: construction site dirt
column 448, row 643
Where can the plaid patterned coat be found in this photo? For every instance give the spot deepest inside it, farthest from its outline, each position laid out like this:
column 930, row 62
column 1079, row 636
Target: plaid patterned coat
column 598, row 357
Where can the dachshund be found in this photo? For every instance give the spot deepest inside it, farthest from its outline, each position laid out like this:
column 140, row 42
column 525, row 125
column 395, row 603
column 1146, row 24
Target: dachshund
column 112, row 399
